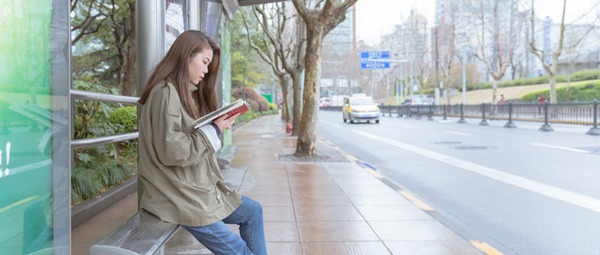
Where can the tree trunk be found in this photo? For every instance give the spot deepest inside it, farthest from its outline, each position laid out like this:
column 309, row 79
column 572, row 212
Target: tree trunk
column 567, row 89
column 130, row 73
column 494, row 91
column 307, row 139
column 552, row 81
column 285, row 113
column 297, row 106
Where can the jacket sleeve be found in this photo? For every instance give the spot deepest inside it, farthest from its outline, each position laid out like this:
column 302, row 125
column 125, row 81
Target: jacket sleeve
column 174, row 146
column 211, row 133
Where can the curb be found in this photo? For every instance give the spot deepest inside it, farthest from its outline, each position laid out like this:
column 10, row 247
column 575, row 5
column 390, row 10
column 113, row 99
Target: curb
column 88, row 209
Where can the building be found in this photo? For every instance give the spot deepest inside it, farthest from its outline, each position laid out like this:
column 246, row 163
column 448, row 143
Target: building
column 338, row 63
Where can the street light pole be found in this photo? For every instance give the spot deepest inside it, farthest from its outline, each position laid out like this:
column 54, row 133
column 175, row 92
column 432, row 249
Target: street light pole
column 401, row 84
column 397, row 88
column 411, row 79
column 244, row 84
column 464, row 77
column 464, row 41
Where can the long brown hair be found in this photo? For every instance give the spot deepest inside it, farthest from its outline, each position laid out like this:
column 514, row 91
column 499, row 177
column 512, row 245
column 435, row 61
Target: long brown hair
column 174, row 68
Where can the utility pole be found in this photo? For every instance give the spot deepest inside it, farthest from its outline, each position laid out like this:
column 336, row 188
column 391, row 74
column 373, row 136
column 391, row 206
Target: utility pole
column 464, row 76
column 244, row 84
column 464, row 40
column 437, row 77
column 411, row 78
column 371, row 82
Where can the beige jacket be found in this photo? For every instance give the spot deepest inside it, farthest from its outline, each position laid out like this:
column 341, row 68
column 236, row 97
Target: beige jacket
column 177, row 165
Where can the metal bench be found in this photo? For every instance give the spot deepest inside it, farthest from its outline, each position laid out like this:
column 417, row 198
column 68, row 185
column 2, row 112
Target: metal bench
column 143, row 233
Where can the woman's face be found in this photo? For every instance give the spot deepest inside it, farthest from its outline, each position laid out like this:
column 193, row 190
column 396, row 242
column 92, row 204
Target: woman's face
column 198, row 65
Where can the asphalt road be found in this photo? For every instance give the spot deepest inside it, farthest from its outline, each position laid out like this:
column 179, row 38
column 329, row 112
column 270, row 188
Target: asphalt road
column 521, row 190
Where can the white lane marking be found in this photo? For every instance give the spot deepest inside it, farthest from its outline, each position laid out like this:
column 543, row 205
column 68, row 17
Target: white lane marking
column 457, row 133
column 409, row 126
column 559, row 147
column 524, row 183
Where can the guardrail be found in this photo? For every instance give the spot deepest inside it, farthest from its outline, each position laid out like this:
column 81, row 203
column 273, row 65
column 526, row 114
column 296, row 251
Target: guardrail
column 581, row 113
column 90, row 142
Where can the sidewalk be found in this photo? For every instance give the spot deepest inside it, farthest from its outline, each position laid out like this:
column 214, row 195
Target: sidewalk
column 330, row 205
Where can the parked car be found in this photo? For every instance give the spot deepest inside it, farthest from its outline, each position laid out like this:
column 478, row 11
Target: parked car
column 324, row 102
column 360, row 107
column 416, row 105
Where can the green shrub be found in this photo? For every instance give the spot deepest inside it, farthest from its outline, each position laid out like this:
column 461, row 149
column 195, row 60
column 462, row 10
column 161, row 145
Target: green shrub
column 112, row 173
column 84, row 184
column 582, row 75
column 586, row 91
column 261, row 101
column 273, row 106
column 250, row 115
column 100, row 167
column 93, row 173
column 91, row 117
column 253, row 105
column 125, row 118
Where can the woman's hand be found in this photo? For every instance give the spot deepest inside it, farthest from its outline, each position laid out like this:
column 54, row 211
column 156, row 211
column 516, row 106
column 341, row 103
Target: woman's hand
column 225, row 122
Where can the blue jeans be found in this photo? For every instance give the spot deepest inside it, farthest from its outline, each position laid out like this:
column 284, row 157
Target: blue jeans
column 220, row 239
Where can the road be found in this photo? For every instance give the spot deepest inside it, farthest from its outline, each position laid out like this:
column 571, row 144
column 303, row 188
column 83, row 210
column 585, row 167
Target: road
column 521, row 190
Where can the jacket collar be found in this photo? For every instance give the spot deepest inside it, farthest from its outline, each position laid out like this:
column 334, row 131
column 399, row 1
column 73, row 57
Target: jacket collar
column 192, row 87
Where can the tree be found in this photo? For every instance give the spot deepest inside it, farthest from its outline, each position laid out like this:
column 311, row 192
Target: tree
column 288, row 44
column 247, row 69
column 104, row 41
column 319, row 22
column 267, row 53
column 497, row 56
column 445, row 62
column 123, row 31
column 551, row 67
column 541, row 54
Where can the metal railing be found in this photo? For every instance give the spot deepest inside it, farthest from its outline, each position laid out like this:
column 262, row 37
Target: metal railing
column 581, row 113
column 91, row 142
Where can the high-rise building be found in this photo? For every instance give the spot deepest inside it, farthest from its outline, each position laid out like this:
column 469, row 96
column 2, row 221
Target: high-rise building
column 337, row 58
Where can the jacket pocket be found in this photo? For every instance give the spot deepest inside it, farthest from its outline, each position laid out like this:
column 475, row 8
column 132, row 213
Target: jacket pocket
column 223, row 187
column 195, row 176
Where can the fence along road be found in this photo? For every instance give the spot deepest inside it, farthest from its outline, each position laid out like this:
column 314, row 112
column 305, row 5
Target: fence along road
column 582, row 113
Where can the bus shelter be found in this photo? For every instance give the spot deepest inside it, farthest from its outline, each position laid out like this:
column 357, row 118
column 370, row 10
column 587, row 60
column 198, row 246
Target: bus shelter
column 36, row 120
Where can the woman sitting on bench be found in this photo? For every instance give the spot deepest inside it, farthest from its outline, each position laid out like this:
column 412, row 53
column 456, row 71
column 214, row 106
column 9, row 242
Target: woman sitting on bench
column 177, row 163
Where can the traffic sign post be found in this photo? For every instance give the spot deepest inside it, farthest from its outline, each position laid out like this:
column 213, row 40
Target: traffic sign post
column 375, row 55
column 374, row 65
column 374, row 59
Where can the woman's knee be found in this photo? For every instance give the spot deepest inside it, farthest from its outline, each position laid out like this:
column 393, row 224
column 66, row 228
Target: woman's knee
column 253, row 206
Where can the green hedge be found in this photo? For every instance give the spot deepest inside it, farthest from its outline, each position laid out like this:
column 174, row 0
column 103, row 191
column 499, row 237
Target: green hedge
column 97, row 168
column 94, row 173
column 273, row 106
column 582, row 75
column 125, row 117
column 587, row 91
column 250, row 115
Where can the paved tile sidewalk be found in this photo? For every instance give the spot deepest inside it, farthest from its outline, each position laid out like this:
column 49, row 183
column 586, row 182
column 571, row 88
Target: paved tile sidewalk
column 326, row 206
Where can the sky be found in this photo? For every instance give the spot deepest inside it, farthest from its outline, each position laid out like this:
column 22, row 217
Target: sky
column 375, row 18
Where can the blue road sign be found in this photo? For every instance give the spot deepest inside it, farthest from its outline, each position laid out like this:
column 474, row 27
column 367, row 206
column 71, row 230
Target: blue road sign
column 374, row 65
column 375, row 54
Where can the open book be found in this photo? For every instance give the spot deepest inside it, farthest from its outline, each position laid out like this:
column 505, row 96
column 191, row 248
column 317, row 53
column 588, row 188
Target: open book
column 239, row 106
